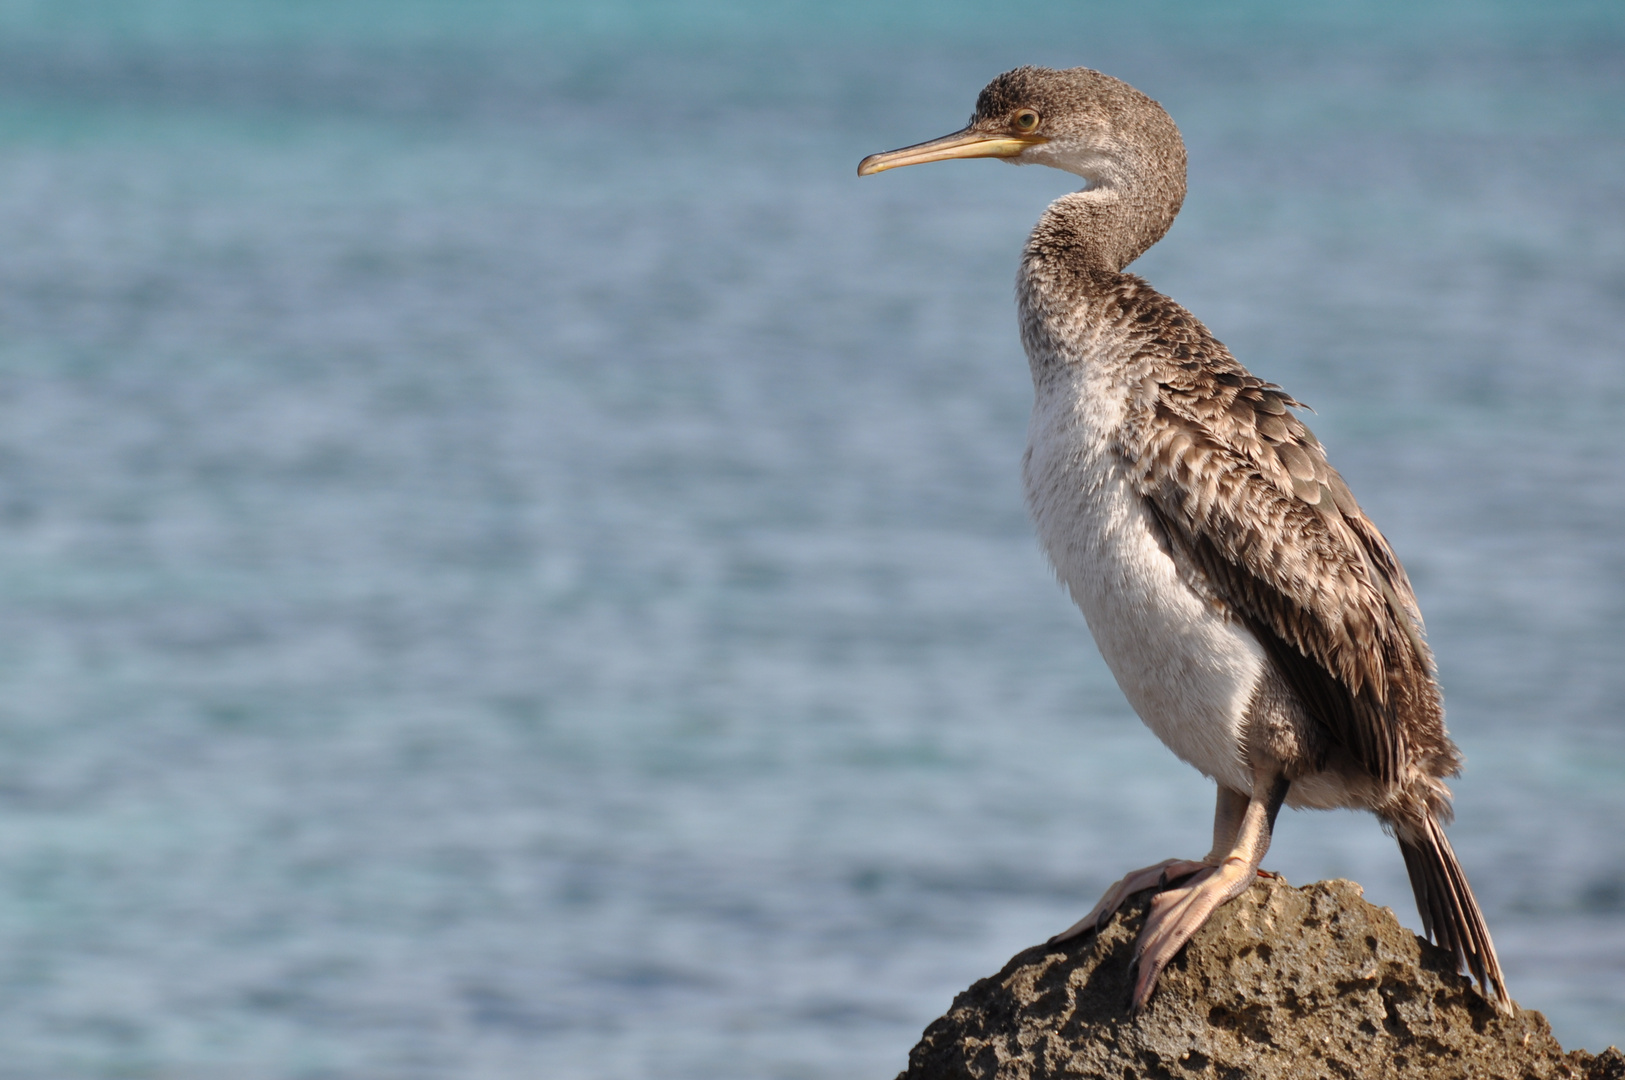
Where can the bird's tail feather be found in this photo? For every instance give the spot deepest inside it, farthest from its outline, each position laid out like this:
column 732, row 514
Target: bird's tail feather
column 1450, row 914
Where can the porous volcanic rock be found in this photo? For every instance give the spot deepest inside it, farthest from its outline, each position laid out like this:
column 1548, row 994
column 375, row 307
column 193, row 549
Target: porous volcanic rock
column 1285, row 983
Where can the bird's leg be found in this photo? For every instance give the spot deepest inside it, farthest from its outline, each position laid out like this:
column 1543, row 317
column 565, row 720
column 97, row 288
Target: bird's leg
column 1226, row 822
column 1178, row 913
column 1228, row 813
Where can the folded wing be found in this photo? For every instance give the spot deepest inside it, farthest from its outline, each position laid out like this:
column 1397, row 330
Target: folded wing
column 1243, row 486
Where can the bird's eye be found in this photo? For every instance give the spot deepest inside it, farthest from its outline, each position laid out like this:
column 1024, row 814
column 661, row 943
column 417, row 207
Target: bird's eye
column 1025, row 121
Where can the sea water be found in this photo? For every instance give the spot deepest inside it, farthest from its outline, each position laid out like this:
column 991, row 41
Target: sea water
column 511, row 557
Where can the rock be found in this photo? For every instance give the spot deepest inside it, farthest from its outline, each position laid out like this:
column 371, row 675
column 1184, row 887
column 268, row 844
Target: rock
column 1281, row 983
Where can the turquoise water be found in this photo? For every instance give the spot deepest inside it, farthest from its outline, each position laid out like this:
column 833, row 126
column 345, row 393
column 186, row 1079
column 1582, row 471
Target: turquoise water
column 511, row 559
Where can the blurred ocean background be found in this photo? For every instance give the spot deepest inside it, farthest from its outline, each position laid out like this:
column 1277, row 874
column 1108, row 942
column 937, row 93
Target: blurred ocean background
column 511, row 556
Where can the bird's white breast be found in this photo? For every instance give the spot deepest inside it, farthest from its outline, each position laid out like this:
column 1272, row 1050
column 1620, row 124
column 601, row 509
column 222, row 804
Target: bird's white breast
column 1188, row 671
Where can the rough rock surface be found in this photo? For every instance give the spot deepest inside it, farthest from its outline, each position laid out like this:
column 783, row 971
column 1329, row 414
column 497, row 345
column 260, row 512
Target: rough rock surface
column 1281, row 983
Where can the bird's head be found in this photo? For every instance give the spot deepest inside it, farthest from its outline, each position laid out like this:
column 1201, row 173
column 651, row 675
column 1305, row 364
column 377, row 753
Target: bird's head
column 1077, row 120
column 1081, row 121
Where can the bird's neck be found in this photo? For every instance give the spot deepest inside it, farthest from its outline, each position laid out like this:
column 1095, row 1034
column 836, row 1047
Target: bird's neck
column 1099, row 230
column 1072, row 270
column 1072, row 281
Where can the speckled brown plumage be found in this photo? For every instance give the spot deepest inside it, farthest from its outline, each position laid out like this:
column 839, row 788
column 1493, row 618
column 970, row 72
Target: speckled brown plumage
column 1243, row 488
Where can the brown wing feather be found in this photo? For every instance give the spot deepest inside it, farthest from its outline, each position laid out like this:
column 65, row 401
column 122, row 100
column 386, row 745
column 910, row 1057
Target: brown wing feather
column 1244, row 487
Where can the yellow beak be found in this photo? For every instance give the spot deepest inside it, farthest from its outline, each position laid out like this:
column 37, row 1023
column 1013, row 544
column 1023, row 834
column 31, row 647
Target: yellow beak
column 961, row 144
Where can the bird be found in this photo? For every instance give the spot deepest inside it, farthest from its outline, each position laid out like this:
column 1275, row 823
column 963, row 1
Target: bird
column 1254, row 617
